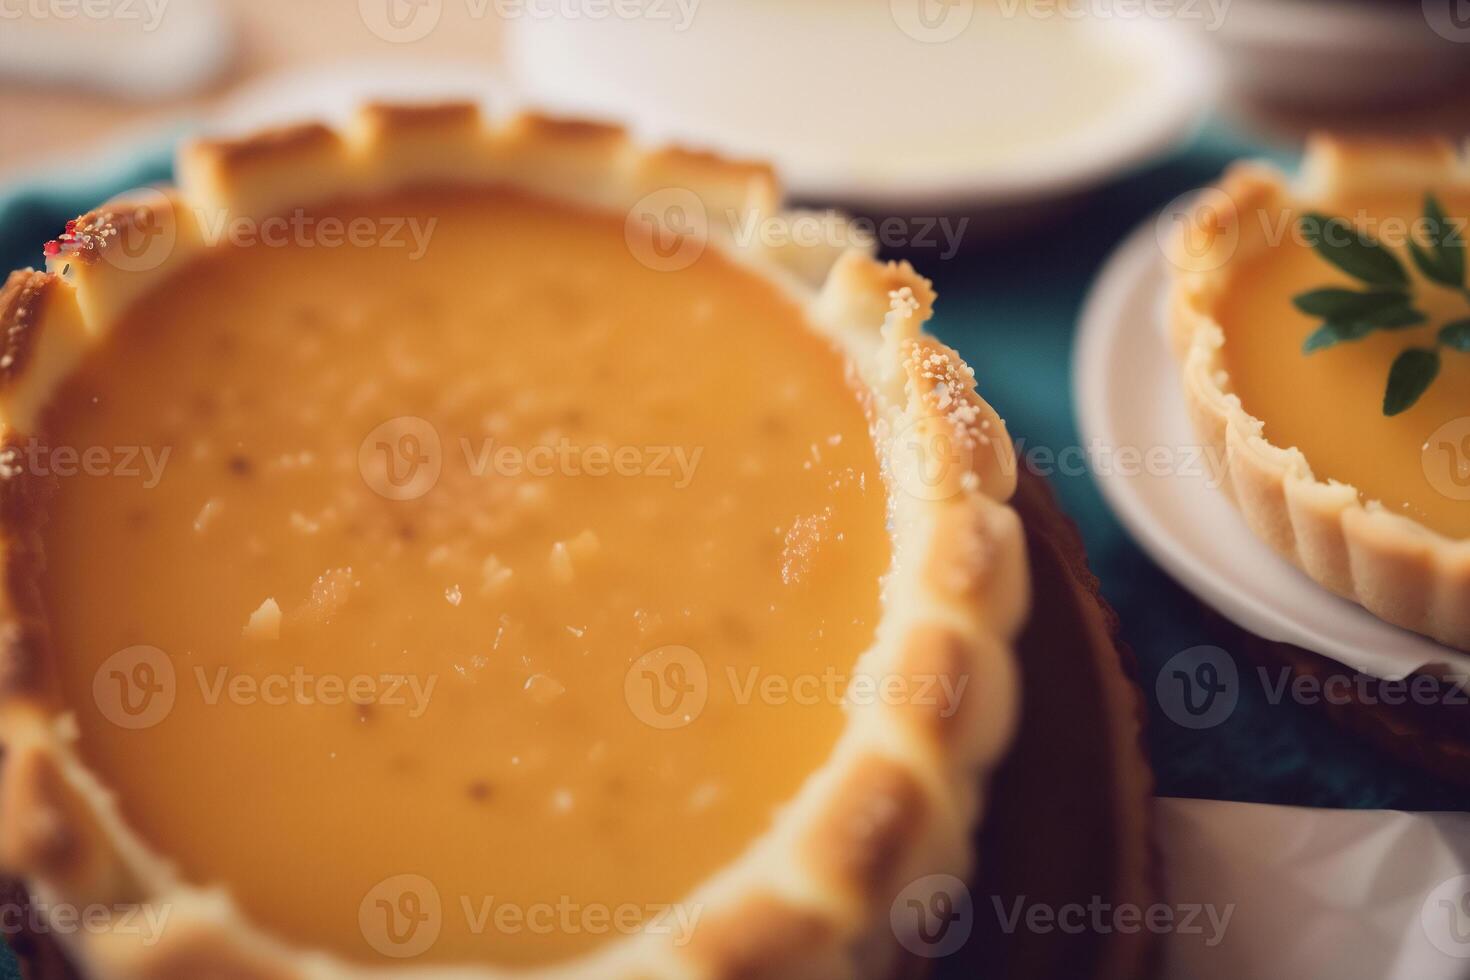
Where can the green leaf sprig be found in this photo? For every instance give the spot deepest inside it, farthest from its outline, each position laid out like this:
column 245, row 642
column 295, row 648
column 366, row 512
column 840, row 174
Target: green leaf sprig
column 1388, row 302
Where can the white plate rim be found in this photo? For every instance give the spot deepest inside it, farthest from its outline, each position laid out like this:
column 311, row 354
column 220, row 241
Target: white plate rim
column 1127, row 272
column 1174, row 111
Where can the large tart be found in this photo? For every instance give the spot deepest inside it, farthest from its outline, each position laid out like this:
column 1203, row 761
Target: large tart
column 1323, row 325
column 461, row 547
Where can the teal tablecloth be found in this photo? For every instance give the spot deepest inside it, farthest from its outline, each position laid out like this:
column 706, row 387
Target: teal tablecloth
column 1011, row 307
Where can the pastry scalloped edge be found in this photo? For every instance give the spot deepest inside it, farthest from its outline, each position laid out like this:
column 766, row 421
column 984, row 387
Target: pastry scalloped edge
column 903, row 788
column 1403, row 572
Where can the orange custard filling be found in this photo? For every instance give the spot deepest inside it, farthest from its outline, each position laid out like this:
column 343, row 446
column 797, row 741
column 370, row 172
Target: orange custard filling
column 1329, row 404
column 517, row 568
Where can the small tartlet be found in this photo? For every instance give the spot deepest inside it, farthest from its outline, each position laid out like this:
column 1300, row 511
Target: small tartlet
column 902, row 791
column 1396, row 567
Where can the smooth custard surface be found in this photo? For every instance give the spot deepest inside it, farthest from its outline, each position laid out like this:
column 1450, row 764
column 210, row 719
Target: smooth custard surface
column 423, row 530
column 1329, row 404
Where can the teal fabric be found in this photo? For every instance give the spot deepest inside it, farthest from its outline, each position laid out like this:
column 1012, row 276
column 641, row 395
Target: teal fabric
column 1010, row 306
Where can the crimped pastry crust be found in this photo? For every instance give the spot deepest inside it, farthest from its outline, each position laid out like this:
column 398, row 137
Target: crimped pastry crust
column 901, row 791
column 1396, row 567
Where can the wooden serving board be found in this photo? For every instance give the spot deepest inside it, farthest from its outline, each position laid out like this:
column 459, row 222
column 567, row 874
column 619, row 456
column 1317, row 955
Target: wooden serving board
column 1070, row 817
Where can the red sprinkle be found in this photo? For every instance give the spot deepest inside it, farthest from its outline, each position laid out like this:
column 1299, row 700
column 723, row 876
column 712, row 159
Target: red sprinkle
column 71, row 226
column 52, row 247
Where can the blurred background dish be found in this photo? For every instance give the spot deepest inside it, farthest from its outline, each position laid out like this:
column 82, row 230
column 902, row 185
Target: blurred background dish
column 1032, row 97
column 140, row 51
column 1342, row 54
column 897, row 106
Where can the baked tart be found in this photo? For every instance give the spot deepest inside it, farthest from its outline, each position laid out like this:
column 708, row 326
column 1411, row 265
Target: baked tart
column 1323, row 325
column 451, row 545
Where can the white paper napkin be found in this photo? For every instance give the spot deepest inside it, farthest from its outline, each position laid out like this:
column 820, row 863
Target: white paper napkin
column 1303, row 893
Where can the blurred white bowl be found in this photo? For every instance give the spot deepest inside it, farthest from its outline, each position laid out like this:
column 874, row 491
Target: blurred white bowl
column 869, row 105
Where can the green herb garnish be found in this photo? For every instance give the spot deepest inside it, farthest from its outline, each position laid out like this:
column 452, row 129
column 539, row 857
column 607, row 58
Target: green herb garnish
column 1387, row 303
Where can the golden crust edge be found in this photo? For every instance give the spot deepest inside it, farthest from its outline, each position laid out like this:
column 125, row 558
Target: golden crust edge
column 1405, row 573
column 972, row 606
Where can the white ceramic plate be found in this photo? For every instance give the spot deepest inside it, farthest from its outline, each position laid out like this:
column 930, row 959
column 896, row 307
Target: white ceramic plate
column 872, row 105
column 1127, row 393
